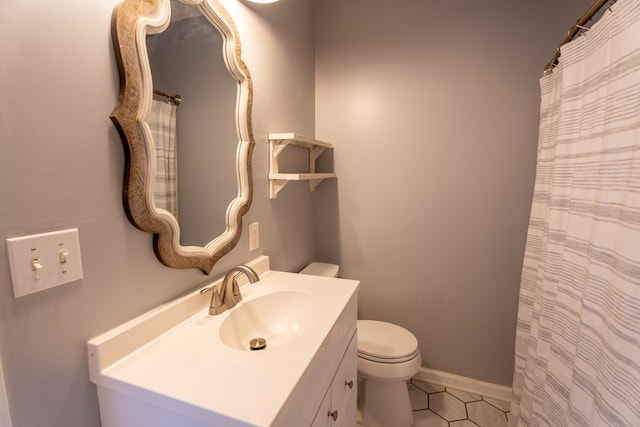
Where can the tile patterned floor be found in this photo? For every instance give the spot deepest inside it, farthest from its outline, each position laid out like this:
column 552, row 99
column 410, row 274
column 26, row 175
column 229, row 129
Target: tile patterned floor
column 437, row 406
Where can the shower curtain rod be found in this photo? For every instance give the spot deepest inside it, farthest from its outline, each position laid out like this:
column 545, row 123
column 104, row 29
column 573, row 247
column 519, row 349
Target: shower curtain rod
column 586, row 17
column 174, row 99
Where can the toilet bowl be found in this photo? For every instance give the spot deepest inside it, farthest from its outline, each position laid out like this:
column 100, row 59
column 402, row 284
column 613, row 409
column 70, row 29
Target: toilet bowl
column 388, row 356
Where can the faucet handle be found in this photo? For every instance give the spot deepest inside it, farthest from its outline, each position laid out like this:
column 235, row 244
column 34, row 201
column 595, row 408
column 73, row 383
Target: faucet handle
column 216, row 301
column 209, row 289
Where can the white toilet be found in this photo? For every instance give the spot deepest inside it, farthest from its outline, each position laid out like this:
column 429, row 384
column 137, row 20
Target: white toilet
column 388, row 356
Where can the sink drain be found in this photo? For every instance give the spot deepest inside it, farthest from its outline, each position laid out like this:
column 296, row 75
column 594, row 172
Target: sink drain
column 257, row 344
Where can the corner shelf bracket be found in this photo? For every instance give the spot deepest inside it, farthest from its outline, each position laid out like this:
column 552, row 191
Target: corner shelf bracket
column 275, row 185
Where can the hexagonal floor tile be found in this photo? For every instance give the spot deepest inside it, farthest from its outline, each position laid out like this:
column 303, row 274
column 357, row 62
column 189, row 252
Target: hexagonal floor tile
column 447, row 406
column 500, row 404
column 428, row 419
column 419, row 399
column 427, row 387
column 484, row 414
column 465, row 396
column 463, row 423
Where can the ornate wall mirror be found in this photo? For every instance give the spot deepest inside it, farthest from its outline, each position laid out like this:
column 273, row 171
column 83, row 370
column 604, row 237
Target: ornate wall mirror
column 185, row 120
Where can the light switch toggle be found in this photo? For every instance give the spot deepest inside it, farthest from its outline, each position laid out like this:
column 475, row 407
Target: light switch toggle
column 35, row 264
column 62, row 255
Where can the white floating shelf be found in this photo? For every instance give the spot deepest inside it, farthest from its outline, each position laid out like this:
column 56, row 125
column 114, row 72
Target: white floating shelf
column 301, row 176
column 297, row 139
column 277, row 143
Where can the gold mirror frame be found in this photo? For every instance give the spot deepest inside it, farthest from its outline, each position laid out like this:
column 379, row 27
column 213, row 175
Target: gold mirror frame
column 132, row 21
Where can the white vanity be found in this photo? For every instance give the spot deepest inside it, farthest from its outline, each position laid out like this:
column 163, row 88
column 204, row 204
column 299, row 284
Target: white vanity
column 177, row 365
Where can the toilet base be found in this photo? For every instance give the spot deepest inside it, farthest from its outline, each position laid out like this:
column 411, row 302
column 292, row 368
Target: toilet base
column 384, row 404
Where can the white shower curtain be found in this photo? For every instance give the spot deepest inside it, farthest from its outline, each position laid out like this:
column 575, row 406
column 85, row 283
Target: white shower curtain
column 578, row 332
column 162, row 122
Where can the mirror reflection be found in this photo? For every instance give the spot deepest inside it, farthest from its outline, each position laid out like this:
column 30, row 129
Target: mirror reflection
column 192, row 120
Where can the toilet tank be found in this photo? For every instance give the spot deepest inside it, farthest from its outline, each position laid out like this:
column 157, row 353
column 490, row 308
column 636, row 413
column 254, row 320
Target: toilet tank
column 321, row 269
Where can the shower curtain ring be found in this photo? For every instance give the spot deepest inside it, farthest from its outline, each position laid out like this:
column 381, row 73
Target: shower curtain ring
column 579, row 30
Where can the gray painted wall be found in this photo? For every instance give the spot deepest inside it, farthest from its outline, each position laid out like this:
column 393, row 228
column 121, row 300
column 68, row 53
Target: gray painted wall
column 433, row 111
column 61, row 166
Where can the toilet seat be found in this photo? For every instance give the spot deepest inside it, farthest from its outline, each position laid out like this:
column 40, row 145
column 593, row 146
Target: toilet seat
column 387, row 360
column 384, row 342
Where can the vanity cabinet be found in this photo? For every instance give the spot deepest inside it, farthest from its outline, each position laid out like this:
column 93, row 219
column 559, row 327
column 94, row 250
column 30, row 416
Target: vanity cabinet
column 338, row 407
column 172, row 367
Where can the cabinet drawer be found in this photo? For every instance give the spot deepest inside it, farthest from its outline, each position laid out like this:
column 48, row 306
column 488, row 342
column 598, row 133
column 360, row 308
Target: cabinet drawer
column 344, row 385
column 338, row 407
column 322, row 418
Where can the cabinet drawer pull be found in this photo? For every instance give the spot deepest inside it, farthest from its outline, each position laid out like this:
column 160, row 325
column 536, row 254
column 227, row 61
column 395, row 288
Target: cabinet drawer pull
column 349, row 383
column 334, row 414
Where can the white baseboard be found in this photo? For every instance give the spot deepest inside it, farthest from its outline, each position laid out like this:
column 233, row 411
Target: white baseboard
column 495, row 391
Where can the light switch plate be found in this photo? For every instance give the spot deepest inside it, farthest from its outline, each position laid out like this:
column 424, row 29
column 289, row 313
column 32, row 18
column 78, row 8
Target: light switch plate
column 42, row 261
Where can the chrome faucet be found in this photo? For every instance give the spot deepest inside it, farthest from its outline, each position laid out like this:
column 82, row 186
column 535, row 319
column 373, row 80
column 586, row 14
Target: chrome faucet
column 228, row 294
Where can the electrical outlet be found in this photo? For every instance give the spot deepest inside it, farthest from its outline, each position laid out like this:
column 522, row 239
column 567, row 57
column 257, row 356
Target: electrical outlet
column 254, row 236
column 44, row 260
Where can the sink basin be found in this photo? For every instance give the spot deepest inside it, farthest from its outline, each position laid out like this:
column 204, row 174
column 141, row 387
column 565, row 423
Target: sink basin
column 277, row 317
